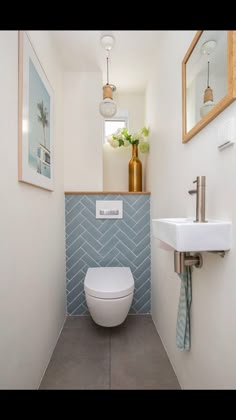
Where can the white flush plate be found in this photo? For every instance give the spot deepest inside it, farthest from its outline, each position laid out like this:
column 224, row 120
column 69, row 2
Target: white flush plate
column 109, row 209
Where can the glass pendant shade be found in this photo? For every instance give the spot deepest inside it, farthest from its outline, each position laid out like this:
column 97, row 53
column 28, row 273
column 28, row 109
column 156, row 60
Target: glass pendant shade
column 107, row 108
column 206, row 107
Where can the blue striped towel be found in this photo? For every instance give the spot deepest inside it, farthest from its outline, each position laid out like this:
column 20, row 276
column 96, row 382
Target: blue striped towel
column 183, row 318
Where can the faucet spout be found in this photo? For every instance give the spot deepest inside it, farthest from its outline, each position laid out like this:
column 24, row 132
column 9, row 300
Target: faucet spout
column 200, row 201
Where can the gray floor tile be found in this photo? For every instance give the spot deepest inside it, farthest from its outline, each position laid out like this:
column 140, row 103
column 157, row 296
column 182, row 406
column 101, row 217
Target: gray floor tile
column 83, row 373
column 141, row 373
column 138, row 358
column 137, row 336
column 130, row 356
column 81, row 358
column 88, row 340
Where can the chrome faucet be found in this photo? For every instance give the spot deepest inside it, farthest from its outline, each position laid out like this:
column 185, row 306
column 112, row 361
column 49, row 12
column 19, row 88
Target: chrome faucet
column 200, row 202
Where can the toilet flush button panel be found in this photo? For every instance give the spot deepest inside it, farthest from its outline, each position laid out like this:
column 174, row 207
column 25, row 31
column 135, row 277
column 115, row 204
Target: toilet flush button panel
column 109, row 209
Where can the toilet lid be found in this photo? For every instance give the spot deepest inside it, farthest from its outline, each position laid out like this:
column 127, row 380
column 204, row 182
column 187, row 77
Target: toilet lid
column 109, row 282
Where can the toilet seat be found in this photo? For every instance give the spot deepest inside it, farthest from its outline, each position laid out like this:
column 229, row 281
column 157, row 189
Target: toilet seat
column 109, row 282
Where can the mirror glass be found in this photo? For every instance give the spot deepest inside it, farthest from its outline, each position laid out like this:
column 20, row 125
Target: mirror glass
column 206, row 75
column 208, row 79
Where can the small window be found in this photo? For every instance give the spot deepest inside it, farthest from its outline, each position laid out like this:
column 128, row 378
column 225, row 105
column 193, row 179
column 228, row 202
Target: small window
column 112, row 124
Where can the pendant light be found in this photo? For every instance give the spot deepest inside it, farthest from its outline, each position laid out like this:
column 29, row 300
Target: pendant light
column 108, row 107
column 208, row 102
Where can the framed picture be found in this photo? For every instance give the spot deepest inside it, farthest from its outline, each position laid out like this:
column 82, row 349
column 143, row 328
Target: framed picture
column 35, row 126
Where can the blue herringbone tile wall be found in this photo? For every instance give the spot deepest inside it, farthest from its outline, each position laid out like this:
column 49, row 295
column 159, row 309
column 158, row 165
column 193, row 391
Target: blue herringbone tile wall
column 92, row 242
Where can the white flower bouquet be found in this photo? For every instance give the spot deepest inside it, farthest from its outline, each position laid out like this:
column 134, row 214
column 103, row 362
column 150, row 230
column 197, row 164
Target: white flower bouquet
column 123, row 138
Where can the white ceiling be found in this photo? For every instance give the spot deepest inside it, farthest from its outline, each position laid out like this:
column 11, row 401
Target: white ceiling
column 131, row 58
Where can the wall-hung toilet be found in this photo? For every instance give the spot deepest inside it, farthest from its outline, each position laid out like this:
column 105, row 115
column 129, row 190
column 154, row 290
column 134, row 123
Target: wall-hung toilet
column 109, row 293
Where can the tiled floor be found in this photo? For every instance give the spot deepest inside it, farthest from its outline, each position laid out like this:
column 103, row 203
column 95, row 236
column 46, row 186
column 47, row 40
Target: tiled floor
column 130, row 356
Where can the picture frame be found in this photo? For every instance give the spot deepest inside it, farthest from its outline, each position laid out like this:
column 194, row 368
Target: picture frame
column 35, row 119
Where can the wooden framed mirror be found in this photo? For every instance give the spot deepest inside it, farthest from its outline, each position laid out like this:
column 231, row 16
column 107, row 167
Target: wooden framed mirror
column 208, row 79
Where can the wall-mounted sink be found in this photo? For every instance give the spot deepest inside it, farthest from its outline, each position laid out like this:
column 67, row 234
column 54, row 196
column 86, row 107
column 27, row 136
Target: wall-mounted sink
column 188, row 236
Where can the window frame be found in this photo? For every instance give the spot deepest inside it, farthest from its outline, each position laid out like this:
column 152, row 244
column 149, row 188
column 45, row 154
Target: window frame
column 120, row 116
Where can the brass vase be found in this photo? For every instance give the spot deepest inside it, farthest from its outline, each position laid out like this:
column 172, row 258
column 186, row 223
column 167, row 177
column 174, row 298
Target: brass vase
column 135, row 171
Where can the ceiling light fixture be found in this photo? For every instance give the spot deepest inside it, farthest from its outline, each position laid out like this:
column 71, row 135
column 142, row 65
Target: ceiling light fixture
column 208, row 103
column 108, row 107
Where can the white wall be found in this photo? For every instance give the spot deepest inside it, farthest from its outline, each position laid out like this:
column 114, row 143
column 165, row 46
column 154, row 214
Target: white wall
column 134, row 102
column 211, row 361
column 32, row 266
column 82, row 131
column 115, row 161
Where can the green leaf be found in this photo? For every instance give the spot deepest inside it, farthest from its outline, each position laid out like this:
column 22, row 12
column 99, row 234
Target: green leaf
column 144, row 147
column 145, row 131
column 125, row 132
column 121, row 142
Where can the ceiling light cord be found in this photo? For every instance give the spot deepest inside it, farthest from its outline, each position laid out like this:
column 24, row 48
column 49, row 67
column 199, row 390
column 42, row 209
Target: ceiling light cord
column 208, row 74
column 107, row 67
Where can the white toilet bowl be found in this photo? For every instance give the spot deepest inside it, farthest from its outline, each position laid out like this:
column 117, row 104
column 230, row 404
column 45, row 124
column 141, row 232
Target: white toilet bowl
column 109, row 293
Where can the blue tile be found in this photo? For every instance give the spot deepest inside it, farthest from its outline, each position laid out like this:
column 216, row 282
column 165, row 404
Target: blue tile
column 73, row 271
column 125, row 262
column 73, row 224
column 142, row 290
column 89, row 203
column 70, row 203
column 75, row 308
column 78, row 279
column 142, row 245
column 87, row 259
column 125, row 240
column 74, row 259
column 124, row 250
column 143, row 278
column 131, row 222
column 142, row 267
column 128, row 210
column 79, row 299
column 74, row 235
column 110, row 232
column 146, row 309
column 142, row 256
column 145, row 231
column 92, row 242
column 141, row 302
column 73, row 213
column 106, row 224
column 123, row 226
column 109, row 256
column 73, row 247
column 109, row 245
column 112, row 263
column 141, row 212
column 75, row 292
column 87, row 215
column 91, row 251
column 88, row 226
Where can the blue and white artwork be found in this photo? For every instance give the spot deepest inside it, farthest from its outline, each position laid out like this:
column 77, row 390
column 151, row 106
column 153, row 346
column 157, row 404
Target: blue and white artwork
column 39, row 124
column 35, row 142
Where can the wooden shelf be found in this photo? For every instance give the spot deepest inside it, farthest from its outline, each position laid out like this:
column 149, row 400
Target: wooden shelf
column 106, row 192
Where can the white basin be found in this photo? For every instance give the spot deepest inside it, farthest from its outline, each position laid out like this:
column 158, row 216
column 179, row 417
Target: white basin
column 186, row 235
